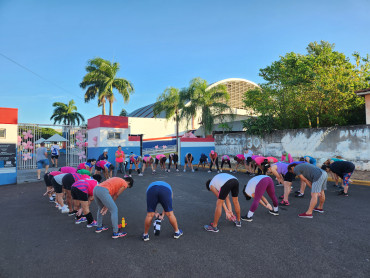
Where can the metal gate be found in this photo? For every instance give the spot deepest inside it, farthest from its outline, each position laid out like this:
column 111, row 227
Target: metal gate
column 71, row 139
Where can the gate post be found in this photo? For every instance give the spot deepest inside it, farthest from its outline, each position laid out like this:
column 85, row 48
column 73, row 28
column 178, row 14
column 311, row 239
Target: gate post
column 8, row 145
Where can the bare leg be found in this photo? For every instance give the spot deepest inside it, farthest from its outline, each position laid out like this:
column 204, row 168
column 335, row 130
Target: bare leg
column 287, row 189
column 148, row 221
column 313, row 202
column 218, row 212
column 69, row 200
column 321, row 200
column 237, row 207
column 46, row 168
column 39, row 173
column 173, row 220
column 303, row 187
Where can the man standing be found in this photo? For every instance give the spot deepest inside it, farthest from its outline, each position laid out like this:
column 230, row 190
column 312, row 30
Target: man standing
column 160, row 192
column 42, row 159
column 316, row 179
column 120, row 160
column 55, row 154
column 343, row 170
column 221, row 185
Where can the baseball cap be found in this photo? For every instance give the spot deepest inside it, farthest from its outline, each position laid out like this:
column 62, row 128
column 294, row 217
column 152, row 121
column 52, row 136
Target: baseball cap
column 105, row 151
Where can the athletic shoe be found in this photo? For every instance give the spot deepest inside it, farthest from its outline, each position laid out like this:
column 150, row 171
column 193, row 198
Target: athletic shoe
column 119, row 234
column 281, row 197
column 192, row 170
column 221, row 171
column 246, row 218
column 92, row 224
column 130, row 176
column 218, row 172
column 184, row 170
column 51, row 200
column 284, row 203
column 247, row 173
column 318, row 210
column 342, row 193
column 71, row 213
column 305, row 215
column 81, row 220
column 297, row 192
column 145, row 237
column 276, row 213
column 101, row 229
column 345, row 194
column 252, row 175
column 64, row 210
column 177, row 235
column 279, row 184
column 300, row 195
column 177, row 170
column 140, row 175
column 209, row 171
column 231, row 171
column 210, row 228
column 238, row 223
column 168, row 171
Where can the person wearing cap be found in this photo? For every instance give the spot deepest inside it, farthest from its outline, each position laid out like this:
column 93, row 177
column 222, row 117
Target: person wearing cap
column 134, row 160
column 173, row 158
column 105, row 195
column 148, row 161
column 255, row 189
column 104, row 156
column 120, row 160
column 161, row 159
column 343, row 170
column 286, row 157
column 225, row 159
column 221, row 185
column 214, row 160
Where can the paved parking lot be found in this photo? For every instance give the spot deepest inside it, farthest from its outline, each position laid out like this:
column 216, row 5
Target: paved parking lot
column 38, row 241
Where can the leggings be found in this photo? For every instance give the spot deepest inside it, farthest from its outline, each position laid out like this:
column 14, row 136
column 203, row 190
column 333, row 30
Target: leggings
column 104, row 199
column 216, row 162
column 120, row 165
column 264, row 185
column 225, row 161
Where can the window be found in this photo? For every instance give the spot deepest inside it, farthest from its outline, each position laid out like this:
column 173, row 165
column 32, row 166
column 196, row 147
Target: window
column 114, row 135
column 2, row 133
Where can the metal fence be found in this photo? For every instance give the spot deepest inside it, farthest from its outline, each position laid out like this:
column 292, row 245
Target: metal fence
column 155, row 151
column 72, row 142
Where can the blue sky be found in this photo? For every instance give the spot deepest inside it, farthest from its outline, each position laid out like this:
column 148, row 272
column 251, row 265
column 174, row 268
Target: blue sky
column 158, row 44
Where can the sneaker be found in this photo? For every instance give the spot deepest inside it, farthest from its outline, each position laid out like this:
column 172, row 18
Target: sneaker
column 101, row 229
column 184, row 170
column 318, row 210
column 345, row 194
column 305, row 215
column 246, row 218
column 279, row 184
column 177, row 170
column 71, row 213
column 92, row 224
column 218, row 172
column 238, row 223
column 209, row 171
column 51, row 200
column 210, row 228
column 81, row 220
column 140, row 175
column 297, row 192
column 252, row 175
column 281, row 197
column 177, row 235
column 284, row 203
column 192, row 170
column 64, row 209
column 168, row 171
column 145, row 237
column 119, row 234
column 276, row 213
column 231, row 171
column 300, row 195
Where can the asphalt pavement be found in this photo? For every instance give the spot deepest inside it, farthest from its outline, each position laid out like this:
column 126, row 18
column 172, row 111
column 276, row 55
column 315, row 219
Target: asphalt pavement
column 36, row 240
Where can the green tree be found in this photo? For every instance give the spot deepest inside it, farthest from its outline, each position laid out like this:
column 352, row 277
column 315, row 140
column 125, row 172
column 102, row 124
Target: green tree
column 123, row 113
column 170, row 102
column 210, row 102
column 66, row 113
column 310, row 90
column 100, row 80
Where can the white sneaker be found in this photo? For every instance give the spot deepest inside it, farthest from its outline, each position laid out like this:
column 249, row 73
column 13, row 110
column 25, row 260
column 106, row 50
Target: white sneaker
column 218, row 171
column 177, row 170
column 130, row 176
column 184, row 170
column 209, row 171
column 140, row 175
column 221, row 171
column 192, row 170
column 231, row 171
column 64, row 210
column 168, row 170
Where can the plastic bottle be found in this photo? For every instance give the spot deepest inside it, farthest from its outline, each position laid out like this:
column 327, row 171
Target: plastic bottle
column 123, row 222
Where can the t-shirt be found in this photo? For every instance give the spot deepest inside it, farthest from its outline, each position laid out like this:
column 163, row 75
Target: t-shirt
column 159, row 156
column 119, row 159
column 78, row 176
column 40, row 153
column 203, row 156
column 84, row 172
column 213, row 156
column 68, row 169
column 102, row 157
column 55, row 149
column 247, row 154
column 309, row 171
column 58, row 178
column 287, row 158
column 220, row 179
column 281, row 168
column 252, row 184
column 273, row 159
column 225, row 157
column 160, row 183
column 259, row 160
column 114, row 185
column 55, row 173
column 342, row 167
column 147, row 158
column 311, row 159
column 254, row 156
column 102, row 164
column 86, row 186
column 134, row 157
column 240, row 157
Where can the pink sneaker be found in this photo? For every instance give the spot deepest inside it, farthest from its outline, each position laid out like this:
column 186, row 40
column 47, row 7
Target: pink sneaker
column 318, row 210
column 284, row 203
column 305, row 215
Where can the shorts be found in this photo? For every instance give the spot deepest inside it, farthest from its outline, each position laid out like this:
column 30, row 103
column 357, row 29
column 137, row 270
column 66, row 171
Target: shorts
column 346, row 178
column 158, row 194
column 249, row 160
column 47, row 179
column 42, row 163
column 79, row 195
column 156, row 161
column 175, row 158
column 203, row 160
column 58, row 188
column 289, row 177
column 232, row 186
column 55, row 156
column 67, row 181
column 186, row 159
column 320, row 184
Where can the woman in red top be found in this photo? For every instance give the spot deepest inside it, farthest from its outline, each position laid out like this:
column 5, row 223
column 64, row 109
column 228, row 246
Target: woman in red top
column 120, row 161
column 105, row 194
column 214, row 160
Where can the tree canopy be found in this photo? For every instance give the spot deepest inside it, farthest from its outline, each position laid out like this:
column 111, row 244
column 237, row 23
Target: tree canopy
column 310, row 90
column 66, row 113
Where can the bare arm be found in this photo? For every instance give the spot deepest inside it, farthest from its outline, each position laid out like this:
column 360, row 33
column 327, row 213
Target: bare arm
column 305, row 180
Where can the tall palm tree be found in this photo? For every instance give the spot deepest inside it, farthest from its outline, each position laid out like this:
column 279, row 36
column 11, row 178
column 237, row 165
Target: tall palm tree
column 171, row 102
column 210, row 102
column 66, row 113
column 100, row 80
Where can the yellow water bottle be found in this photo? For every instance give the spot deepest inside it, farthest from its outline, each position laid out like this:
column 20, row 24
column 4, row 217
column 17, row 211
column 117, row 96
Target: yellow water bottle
column 123, row 222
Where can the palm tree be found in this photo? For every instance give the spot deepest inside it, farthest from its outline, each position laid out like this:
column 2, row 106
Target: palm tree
column 171, row 102
column 66, row 113
column 100, row 80
column 123, row 113
column 210, row 102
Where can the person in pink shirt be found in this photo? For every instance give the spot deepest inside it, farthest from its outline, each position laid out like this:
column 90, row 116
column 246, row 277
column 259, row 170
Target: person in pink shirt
column 148, row 161
column 120, row 160
column 225, row 159
column 240, row 160
column 161, row 159
column 272, row 159
column 286, row 157
column 106, row 167
column 214, row 160
column 68, row 170
column 58, row 189
column 88, row 165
